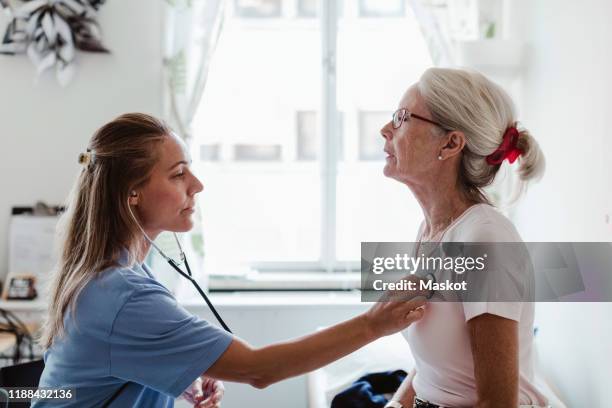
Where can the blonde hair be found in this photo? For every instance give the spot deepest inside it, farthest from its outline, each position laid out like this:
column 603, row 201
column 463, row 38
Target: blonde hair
column 468, row 101
column 97, row 223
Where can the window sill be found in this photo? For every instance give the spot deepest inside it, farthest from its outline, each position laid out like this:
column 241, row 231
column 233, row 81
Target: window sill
column 274, row 300
column 287, row 281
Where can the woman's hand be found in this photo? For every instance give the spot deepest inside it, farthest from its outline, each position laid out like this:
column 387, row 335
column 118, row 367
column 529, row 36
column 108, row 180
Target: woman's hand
column 391, row 314
column 396, row 310
column 205, row 392
column 264, row 366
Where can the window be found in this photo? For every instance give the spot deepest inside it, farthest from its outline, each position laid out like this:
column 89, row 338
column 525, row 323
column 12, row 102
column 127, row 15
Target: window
column 308, row 137
column 381, row 8
column 295, row 181
column 246, row 152
column 371, row 147
column 209, row 152
column 307, row 8
column 258, row 8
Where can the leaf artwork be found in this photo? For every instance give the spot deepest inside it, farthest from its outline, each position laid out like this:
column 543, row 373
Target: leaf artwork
column 49, row 32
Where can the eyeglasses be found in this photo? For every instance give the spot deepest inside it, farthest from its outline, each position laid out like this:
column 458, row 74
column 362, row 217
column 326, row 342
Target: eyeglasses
column 403, row 115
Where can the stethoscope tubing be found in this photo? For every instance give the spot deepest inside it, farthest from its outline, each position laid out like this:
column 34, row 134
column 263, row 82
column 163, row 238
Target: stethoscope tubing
column 188, row 276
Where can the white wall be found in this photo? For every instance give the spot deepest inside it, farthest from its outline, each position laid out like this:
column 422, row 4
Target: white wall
column 44, row 127
column 567, row 107
column 565, row 86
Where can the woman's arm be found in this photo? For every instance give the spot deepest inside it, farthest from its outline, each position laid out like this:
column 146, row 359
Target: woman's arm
column 267, row 365
column 405, row 393
column 494, row 342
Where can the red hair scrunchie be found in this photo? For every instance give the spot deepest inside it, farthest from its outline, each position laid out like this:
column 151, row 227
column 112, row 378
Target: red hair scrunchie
column 507, row 149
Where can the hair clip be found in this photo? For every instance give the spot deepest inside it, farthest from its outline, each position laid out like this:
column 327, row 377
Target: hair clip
column 85, row 159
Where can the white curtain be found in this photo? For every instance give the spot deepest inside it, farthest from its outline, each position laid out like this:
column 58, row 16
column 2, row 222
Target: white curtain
column 433, row 22
column 192, row 29
column 191, row 32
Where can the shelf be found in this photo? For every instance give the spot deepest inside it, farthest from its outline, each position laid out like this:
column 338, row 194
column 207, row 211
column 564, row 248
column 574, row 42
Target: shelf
column 492, row 57
column 23, row 305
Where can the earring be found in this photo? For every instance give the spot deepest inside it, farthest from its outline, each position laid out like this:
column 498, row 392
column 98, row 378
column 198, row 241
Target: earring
column 440, row 157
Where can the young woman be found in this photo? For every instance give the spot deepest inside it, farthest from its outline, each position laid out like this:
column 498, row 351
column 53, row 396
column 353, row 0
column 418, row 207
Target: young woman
column 116, row 335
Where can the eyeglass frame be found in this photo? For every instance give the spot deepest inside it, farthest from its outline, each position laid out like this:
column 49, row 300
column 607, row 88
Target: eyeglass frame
column 407, row 115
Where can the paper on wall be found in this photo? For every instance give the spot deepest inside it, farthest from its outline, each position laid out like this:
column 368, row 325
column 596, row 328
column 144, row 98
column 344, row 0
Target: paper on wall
column 32, row 246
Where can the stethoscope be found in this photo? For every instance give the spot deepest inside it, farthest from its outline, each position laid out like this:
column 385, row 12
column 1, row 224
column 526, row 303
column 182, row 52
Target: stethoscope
column 176, row 266
column 188, row 275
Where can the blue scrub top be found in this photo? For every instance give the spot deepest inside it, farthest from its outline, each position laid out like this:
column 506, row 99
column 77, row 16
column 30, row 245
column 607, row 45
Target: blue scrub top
column 129, row 328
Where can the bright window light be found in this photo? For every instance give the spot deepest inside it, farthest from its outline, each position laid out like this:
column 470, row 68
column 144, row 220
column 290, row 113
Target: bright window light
column 259, row 135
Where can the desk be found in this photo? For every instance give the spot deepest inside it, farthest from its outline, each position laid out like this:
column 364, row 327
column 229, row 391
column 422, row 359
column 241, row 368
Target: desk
column 30, row 312
column 23, row 305
column 8, row 340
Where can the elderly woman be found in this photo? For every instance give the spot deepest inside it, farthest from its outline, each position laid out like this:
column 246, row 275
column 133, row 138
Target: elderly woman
column 447, row 140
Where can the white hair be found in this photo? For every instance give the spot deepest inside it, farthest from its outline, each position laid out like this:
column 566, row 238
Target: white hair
column 471, row 103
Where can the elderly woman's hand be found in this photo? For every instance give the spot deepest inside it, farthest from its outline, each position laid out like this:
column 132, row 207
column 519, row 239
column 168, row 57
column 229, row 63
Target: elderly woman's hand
column 205, row 392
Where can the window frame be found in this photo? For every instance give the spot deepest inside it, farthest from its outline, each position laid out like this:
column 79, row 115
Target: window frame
column 329, row 131
column 329, row 125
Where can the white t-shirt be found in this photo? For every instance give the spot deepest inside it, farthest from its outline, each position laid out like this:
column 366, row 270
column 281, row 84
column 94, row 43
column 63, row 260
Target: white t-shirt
column 440, row 341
